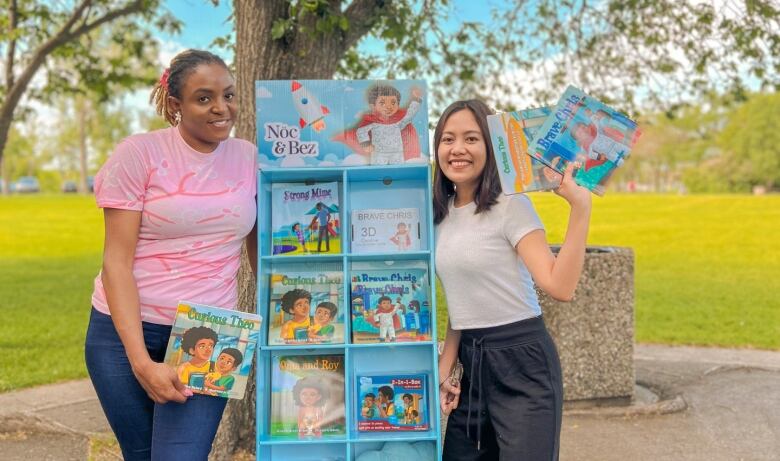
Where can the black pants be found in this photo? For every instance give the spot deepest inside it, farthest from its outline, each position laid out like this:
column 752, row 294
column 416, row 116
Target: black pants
column 323, row 233
column 511, row 397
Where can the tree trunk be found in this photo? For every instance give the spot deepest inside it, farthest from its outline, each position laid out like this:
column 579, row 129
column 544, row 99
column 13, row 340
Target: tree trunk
column 5, row 186
column 75, row 26
column 82, row 106
column 258, row 57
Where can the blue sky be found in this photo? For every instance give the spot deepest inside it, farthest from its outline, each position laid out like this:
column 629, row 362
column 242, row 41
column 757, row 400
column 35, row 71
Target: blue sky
column 203, row 22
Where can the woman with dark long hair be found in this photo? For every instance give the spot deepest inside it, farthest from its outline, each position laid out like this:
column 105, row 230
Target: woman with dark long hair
column 490, row 251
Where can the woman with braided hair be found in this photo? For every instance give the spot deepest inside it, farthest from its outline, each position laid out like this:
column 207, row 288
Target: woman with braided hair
column 178, row 204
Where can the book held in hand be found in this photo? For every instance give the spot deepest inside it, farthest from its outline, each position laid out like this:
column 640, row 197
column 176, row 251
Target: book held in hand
column 387, row 230
column 586, row 130
column 307, row 396
column 511, row 133
column 211, row 348
column 305, row 218
column 392, row 402
column 305, row 306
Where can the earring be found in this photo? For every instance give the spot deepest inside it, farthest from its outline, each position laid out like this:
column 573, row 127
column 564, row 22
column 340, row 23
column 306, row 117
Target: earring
column 177, row 117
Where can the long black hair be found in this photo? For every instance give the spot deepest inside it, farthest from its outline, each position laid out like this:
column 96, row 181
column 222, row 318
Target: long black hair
column 489, row 187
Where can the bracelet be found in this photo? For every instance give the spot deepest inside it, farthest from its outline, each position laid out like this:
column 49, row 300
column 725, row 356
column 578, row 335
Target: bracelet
column 449, row 378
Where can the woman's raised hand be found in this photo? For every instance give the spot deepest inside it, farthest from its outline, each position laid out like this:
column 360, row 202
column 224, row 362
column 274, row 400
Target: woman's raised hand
column 576, row 195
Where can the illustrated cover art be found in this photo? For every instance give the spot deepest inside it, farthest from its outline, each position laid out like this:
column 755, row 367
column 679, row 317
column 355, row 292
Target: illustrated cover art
column 511, row 133
column 392, row 403
column 306, row 304
column 390, row 304
column 211, row 348
column 307, row 396
column 385, row 230
column 322, row 123
column 584, row 129
column 305, row 218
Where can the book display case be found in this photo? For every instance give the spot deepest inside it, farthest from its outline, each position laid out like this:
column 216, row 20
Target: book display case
column 360, row 188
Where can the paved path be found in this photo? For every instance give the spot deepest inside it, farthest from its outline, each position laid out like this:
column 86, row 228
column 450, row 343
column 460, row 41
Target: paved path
column 733, row 410
column 732, row 400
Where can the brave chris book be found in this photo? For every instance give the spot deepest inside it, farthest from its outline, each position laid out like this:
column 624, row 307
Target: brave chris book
column 584, row 129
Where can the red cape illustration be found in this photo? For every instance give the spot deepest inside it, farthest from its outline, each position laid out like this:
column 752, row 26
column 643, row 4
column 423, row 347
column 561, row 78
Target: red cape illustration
column 396, row 320
column 613, row 133
column 408, row 134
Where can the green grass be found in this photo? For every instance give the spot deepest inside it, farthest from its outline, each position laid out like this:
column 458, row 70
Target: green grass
column 707, row 273
column 50, row 249
column 707, row 266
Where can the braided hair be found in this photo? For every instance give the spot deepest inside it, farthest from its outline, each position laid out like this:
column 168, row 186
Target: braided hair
column 173, row 78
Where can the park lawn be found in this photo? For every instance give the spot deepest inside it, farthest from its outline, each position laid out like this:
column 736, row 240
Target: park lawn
column 707, row 266
column 50, row 248
column 707, row 273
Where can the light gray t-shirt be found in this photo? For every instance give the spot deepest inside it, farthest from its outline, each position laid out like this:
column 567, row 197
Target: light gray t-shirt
column 486, row 283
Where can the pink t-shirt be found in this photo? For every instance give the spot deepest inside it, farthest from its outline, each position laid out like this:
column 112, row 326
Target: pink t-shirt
column 196, row 209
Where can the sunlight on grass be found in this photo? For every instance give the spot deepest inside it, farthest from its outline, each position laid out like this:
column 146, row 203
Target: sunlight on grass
column 707, row 272
column 49, row 254
column 707, row 267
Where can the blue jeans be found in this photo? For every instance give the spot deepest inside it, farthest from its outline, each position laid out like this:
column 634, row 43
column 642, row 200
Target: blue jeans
column 146, row 430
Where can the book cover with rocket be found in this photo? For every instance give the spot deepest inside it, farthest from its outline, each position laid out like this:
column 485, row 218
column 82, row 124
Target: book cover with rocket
column 322, row 123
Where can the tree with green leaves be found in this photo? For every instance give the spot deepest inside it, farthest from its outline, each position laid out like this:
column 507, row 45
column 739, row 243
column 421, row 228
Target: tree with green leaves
column 85, row 135
column 625, row 51
column 750, row 143
column 61, row 44
column 22, row 158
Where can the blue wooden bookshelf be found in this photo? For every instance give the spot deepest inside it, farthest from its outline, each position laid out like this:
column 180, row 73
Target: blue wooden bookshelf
column 396, row 186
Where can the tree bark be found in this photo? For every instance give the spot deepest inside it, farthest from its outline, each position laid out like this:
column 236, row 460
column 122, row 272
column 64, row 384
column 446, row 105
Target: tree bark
column 82, row 107
column 297, row 55
column 64, row 35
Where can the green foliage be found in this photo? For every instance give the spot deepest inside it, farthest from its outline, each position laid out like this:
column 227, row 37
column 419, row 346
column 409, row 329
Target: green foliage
column 110, row 57
column 98, row 47
column 51, row 181
column 720, row 144
column 751, row 142
column 313, row 17
column 21, row 158
column 529, row 51
column 53, row 156
column 704, row 265
column 151, row 122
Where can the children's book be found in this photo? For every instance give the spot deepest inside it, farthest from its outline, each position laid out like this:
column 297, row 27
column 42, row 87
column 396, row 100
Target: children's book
column 211, row 348
column 305, row 218
column 307, row 396
column 306, row 305
column 322, row 123
column 584, row 129
column 397, row 402
column 389, row 303
column 511, row 133
column 385, row 230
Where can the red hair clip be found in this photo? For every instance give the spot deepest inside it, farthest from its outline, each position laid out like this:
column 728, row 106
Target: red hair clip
column 164, row 78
